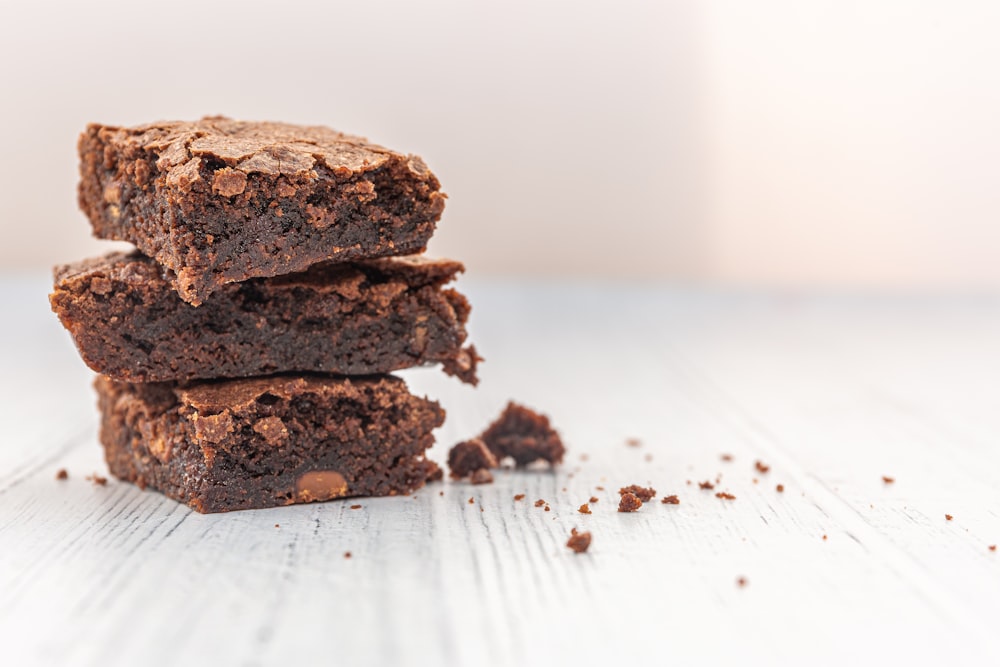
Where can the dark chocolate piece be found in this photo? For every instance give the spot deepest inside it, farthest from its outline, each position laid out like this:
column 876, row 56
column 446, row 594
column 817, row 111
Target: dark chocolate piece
column 524, row 435
column 219, row 200
column 264, row 442
column 358, row 318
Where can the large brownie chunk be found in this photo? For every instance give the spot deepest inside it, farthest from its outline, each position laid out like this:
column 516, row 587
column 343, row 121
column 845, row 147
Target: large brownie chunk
column 355, row 318
column 219, row 200
column 264, row 442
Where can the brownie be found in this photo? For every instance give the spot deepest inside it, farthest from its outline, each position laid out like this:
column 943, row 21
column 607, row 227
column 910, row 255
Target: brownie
column 355, row 318
column 524, row 435
column 263, row 442
column 220, row 200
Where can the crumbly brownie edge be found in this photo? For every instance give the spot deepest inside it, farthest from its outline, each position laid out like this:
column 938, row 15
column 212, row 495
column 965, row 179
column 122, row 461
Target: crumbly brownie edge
column 249, row 444
column 217, row 215
column 361, row 318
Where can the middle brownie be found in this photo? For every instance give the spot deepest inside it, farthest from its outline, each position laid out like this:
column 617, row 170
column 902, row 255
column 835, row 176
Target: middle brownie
column 357, row 318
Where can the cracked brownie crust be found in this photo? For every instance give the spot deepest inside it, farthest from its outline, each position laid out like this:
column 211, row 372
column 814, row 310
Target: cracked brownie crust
column 265, row 442
column 219, row 200
column 356, row 318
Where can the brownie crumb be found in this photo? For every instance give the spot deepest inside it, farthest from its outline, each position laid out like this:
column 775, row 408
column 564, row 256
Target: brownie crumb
column 741, row 582
column 780, row 488
column 755, row 480
column 548, row 509
column 62, row 474
column 578, row 542
column 539, row 503
column 887, row 479
column 277, row 525
column 633, row 442
column 481, row 476
column 629, row 503
column 519, row 496
column 434, row 472
column 993, row 547
column 593, row 499
column 948, row 517
column 347, row 554
column 761, row 467
column 824, row 538
column 645, row 494
column 468, row 456
column 706, row 485
column 97, row 479
column 599, row 488
column 355, row 507
column 726, row 457
column 725, row 496
column 472, row 501
column 584, row 457
column 440, row 493
column 585, row 509
column 671, row 500
column 523, row 435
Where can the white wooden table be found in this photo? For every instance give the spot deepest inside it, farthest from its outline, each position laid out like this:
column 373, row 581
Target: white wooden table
column 832, row 393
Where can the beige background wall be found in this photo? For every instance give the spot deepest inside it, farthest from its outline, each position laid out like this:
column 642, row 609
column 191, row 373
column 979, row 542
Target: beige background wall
column 777, row 142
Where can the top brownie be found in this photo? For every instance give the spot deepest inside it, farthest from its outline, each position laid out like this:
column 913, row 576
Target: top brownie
column 217, row 201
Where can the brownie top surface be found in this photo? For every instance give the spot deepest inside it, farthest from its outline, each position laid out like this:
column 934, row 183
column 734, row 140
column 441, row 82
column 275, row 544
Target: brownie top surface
column 255, row 146
column 342, row 277
column 215, row 396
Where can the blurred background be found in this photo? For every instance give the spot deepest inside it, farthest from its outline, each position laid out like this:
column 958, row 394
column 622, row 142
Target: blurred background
column 776, row 143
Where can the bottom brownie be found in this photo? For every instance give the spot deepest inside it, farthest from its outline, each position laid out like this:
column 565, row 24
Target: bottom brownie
column 263, row 442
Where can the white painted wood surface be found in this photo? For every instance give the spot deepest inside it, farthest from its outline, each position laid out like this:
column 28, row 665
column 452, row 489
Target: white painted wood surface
column 832, row 393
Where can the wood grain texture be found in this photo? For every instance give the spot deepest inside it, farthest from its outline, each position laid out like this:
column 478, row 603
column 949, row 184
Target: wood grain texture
column 832, row 393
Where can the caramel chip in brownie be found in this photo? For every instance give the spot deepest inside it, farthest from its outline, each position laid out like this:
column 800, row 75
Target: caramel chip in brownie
column 645, row 494
column 524, row 435
column 469, row 456
column 217, row 200
column 629, row 503
column 579, row 541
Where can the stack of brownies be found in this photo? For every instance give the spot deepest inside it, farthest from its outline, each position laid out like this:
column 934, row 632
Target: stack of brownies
column 243, row 349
